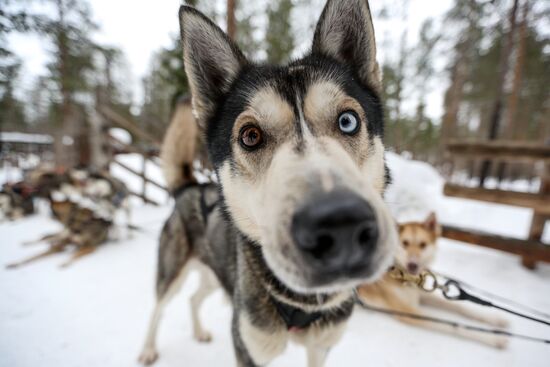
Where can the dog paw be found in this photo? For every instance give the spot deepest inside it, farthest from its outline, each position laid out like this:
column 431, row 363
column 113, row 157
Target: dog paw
column 500, row 323
column 500, row 342
column 203, row 337
column 148, row 356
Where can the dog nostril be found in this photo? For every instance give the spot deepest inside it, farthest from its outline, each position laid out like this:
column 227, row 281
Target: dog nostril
column 367, row 236
column 323, row 244
column 364, row 237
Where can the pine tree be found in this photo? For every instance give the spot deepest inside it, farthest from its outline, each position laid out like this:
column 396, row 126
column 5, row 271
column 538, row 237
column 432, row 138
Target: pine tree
column 279, row 34
column 467, row 16
column 72, row 60
column 13, row 18
column 423, row 74
column 12, row 113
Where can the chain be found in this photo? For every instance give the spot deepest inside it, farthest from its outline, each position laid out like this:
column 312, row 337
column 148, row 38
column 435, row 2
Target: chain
column 425, row 280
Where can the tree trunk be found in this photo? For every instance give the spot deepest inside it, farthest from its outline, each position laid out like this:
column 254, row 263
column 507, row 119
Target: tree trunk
column 499, row 99
column 63, row 150
column 512, row 125
column 231, row 22
column 510, row 132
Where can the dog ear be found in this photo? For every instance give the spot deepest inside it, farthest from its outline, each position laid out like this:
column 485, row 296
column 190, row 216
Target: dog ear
column 345, row 33
column 432, row 225
column 400, row 228
column 212, row 61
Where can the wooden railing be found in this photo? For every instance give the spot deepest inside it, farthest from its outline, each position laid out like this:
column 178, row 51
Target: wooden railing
column 502, row 150
column 149, row 154
column 532, row 249
column 540, row 202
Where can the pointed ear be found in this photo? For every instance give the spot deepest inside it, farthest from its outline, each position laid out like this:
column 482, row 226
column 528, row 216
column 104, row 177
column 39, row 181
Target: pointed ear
column 212, row 61
column 345, row 33
column 400, row 228
column 431, row 224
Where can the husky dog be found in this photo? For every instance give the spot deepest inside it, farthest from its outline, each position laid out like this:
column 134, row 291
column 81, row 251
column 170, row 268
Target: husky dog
column 298, row 154
column 85, row 202
column 416, row 254
column 97, row 190
column 83, row 232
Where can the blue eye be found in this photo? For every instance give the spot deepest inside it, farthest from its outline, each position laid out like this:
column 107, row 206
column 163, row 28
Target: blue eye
column 348, row 122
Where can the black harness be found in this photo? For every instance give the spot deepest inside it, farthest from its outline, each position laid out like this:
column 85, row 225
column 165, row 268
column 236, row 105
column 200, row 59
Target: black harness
column 205, row 208
column 295, row 318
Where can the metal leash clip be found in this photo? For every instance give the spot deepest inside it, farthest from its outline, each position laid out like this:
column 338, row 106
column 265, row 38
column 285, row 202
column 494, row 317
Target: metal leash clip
column 425, row 280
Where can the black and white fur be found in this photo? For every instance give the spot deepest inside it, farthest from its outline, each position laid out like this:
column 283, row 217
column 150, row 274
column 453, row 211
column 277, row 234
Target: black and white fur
column 255, row 240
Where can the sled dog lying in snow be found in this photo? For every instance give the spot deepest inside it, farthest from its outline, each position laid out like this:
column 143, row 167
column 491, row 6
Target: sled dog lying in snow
column 83, row 231
column 85, row 202
column 86, row 186
column 416, row 254
column 298, row 154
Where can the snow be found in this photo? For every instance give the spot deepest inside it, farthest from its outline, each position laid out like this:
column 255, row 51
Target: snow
column 121, row 135
column 10, row 174
column 95, row 313
column 17, row 137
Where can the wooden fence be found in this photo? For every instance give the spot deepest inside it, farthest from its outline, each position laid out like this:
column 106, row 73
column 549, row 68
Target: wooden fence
column 149, row 154
column 531, row 249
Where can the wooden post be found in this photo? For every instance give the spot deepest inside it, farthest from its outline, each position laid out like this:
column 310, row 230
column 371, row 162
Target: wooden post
column 539, row 219
column 125, row 123
column 143, row 173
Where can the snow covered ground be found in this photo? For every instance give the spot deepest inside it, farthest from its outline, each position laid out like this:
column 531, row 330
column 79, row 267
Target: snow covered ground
column 95, row 313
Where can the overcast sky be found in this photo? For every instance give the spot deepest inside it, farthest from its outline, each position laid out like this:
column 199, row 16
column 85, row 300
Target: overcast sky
column 141, row 27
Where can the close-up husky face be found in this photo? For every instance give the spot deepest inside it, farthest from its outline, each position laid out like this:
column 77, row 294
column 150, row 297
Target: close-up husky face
column 298, row 148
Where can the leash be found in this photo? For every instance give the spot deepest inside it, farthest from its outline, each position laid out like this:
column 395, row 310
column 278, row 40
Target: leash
column 497, row 297
column 453, row 324
column 451, row 290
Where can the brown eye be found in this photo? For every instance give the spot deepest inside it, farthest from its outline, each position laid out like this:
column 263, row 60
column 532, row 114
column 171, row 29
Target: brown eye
column 250, row 137
column 422, row 244
column 406, row 243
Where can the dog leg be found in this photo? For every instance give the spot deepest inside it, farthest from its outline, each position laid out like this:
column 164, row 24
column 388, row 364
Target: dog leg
column 52, row 250
column 81, row 252
column 128, row 212
column 54, row 237
column 40, row 240
column 434, row 301
column 495, row 341
column 244, row 351
column 316, row 356
column 208, row 284
column 149, row 352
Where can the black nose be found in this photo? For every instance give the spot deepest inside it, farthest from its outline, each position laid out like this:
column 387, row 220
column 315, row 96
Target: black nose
column 337, row 231
column 412, row 268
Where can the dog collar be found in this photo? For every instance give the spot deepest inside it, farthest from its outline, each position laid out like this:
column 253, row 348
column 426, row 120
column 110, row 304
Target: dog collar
column 295, row 319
